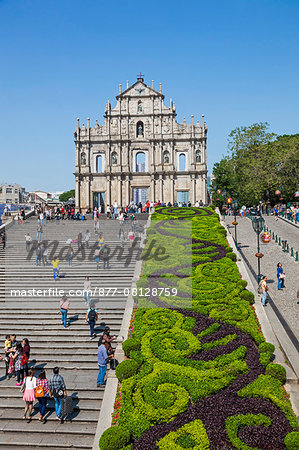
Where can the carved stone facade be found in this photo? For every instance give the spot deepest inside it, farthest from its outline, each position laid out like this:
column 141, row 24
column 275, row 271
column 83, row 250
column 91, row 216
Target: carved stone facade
column 140, row 153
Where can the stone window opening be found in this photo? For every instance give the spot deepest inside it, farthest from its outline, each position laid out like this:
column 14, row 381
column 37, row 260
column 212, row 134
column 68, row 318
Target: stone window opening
column 140, row 162
column 182, row 162
column 139, row 128
column 99, row 164
column 139, row 107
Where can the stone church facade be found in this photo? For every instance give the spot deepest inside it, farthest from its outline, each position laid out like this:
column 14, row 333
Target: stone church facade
column 140, row 153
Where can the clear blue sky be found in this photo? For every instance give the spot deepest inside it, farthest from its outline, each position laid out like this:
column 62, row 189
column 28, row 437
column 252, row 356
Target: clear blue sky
column 236, row 61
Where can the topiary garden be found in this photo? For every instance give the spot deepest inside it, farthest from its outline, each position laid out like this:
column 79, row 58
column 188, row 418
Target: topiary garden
column 200, row 374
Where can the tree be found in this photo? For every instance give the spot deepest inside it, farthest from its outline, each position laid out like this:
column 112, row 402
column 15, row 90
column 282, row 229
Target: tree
column 257, row 165
column 67, row 195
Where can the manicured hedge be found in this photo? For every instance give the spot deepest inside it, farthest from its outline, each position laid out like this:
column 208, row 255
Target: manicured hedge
column 196, row 378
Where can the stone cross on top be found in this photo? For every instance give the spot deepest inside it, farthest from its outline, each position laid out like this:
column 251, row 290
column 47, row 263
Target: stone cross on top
column 140, row 76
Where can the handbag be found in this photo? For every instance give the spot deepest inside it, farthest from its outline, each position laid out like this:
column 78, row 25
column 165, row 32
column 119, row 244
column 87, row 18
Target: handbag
column 11, row 367
column 58, row 393
column 23, row 387
column 281, row 276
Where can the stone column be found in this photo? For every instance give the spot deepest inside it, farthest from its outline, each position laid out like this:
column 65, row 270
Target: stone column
column 171, row 189
column 152, row 189
column 127, row 189
column 119, row 185
column 193, row 190
column 161, row 188
column 107, row 196
column 77, row 193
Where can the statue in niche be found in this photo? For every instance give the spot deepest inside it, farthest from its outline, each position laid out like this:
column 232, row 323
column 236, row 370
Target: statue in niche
column 83, row 159
column 166, row 157
column 140, row 129
column 114, row 158
column 197, row 156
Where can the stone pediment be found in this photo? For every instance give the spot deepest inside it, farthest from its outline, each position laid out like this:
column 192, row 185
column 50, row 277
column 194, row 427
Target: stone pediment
column 139, row 89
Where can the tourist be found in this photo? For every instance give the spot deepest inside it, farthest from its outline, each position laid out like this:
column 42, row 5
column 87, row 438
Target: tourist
column 26, row 351
column 41, row 218
column 131, row 238
column 28, row 241
column 105, row 251
column 87, row 238
column 87, row 290
column 64, row 307
column 108, row 339
column 298, row 297
column 97, row 258
column 91, row 317
column 276, row 212
column 70, row 253
column 57, row 390
column 108, row 211
column 45, row 253
column 13, row 342
column 263, row 289
column 55, row 266
column 102, row 363
column 41, row 393
column 3, row 240
column 29, row 386
column 39, row 233
column 79, row 241
column 38, row 252
column 7, row 353
column 20, row 360
column 280, row 276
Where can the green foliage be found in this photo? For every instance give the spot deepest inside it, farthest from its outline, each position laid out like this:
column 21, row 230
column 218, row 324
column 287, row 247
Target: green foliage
column 191, row 435
column 253, row 151
column 131, row 345
column 126, row 369
column 248, row 296
column 292, row 441
column 114, row 438
column 270, row 388
column 266, row 353
column 234, row 423
column 232, row 256
column 277, row 371
column 67, row 195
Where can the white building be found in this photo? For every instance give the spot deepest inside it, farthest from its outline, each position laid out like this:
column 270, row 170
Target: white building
column 140, row 153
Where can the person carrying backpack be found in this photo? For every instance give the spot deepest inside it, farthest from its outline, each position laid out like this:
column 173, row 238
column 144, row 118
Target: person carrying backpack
column 57, row 391
column 42, row 393
column 91, row 317
column 20, row 360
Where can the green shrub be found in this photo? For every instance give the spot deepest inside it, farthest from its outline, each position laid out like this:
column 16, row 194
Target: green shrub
column 291, row 441
column 248, row 296
column 130, row 345
column 232, row 256
column 234, row 423
column 228, row 249
column 266, row 347
column 242, row 283
column 126, row 369
column 277, row 371
column 114, row 438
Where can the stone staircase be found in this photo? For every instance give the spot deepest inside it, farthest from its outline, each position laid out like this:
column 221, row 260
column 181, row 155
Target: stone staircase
column 37, row 318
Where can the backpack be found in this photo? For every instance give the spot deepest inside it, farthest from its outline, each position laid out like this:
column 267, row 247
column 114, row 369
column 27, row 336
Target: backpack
column 39, row 392
column 260, row 289
column 92, row 315
column 24, row 360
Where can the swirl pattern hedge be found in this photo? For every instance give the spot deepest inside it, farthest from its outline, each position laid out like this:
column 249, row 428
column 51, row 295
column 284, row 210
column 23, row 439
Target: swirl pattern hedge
column 200, row 377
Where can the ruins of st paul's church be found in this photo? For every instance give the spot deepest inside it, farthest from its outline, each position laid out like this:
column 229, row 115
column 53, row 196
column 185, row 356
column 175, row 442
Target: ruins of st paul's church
column 140, row 153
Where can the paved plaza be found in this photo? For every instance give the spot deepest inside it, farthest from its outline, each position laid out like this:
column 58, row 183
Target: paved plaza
column 38, row 319
column 285, row 299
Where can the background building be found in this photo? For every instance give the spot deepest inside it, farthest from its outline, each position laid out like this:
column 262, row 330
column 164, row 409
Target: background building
column 140, row 153
column 12, row 193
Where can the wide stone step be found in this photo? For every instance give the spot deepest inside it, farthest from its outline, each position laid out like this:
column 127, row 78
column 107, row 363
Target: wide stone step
column 43, row 441
column 87, row 394
column 51, row 426
column 82, row 405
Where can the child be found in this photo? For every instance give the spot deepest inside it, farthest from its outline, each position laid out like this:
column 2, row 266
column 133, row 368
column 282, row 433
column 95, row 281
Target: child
column 7, row 349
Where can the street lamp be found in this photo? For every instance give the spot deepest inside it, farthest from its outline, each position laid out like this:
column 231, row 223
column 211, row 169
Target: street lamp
column 258, row 226
column 235, row 223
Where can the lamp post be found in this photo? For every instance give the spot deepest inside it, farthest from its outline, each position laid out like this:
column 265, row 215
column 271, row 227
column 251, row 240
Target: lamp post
column 258, row 225
column 235, row 223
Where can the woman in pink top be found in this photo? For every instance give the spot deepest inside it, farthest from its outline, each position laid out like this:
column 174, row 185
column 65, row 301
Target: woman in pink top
column 29, row 387
column 64, row 307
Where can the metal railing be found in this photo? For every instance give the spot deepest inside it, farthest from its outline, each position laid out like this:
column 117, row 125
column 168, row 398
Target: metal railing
column 283, row 244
